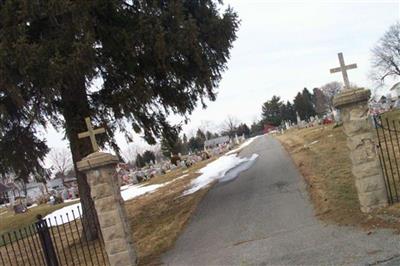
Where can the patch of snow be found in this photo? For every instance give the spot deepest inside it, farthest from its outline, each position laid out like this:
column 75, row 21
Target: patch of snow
column 213, row 171
column 134, row 191
column 64, row 214
column 71, row 200
column 33, row 205
column 244, row 144
column 182, row 176
column 218, row 169
column 314, row 142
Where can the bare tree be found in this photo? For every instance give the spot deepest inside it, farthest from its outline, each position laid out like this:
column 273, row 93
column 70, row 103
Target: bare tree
column 230, row 125
column 61, row 161
column 330, row 90
column 386, row 55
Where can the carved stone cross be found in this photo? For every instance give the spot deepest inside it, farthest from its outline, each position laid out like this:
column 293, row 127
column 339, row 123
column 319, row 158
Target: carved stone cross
column 343, row 68
column 91, row 133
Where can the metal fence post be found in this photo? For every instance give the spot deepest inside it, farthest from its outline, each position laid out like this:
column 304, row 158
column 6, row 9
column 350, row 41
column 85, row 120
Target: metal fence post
column 46, row 242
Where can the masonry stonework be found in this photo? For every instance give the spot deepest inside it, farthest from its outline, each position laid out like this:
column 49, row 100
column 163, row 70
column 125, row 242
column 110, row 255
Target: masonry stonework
column 353, row 106
column 105, row 191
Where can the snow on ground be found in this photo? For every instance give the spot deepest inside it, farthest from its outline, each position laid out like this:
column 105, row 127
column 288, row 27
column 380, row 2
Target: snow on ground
column 71, row 200
column 244, row 144
column 219, row 169
column 137, row 190
column 127, row 192
column 226, row 167
column 64, row 214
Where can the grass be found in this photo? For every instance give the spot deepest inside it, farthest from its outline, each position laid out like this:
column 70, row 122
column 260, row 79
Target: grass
column 10, row 221
column 156, row 220
column 322, row 156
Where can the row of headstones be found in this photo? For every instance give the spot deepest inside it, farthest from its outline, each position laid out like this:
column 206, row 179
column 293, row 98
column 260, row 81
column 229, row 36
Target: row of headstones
column 135, row 176
column 329, row 118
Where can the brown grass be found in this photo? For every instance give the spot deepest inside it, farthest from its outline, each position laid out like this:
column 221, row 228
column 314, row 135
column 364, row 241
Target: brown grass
column 323, row 159
column 158, row 218
column 11, row 221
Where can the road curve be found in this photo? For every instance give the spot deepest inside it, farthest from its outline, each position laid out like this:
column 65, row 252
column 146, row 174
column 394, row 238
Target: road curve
column 264, row 217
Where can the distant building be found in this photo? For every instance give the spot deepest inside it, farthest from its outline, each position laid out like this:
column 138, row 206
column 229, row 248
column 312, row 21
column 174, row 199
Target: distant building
column 62, row 181
column 211, row 143
column 33, row 191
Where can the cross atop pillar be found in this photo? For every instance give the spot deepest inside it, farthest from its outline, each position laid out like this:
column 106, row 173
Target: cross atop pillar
column 91, row 133
column 343, row 68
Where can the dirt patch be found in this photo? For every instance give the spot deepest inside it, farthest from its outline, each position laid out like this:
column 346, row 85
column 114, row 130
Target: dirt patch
column 322, row 157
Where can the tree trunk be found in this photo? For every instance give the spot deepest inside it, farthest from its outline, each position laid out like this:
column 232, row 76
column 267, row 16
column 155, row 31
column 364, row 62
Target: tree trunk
column 75, row 109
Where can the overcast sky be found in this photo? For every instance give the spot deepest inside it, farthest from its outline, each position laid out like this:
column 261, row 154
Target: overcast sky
column 284, row 46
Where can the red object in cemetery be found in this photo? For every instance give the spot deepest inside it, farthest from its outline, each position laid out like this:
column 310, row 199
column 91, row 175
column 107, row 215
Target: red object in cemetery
column 268, row 128
column 327, row 121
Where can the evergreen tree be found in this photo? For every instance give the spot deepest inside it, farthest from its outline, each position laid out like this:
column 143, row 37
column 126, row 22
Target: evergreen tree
column 289, row 113
column 148, row 157
column 185, row 144
column 194, row 144
column 140, row 161
column 154, row 58
column 257, row 127
column 271, row 111
column 303, row 103
column 200, row 136
column 171, row 144
column 243, row 129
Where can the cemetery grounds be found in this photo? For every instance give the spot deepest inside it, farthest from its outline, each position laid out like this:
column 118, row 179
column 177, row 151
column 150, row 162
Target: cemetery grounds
column 156, row 218
column 322, row 157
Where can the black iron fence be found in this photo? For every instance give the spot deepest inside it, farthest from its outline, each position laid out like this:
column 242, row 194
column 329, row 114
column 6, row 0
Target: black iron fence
column 58, row 240
column 387, row 127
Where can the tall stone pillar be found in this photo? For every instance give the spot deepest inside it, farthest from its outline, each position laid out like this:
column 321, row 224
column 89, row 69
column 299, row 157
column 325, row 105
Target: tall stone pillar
column 105, row 191
column 353, row 106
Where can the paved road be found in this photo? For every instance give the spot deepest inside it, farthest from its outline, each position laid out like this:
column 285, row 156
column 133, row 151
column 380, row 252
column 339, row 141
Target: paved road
column 264, row 217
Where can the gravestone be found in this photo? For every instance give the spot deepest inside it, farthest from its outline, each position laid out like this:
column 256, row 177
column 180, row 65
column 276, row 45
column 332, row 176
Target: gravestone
column 298, row 119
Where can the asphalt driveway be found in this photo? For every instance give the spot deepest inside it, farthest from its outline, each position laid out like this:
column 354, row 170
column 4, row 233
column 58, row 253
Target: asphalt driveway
column 264, row 217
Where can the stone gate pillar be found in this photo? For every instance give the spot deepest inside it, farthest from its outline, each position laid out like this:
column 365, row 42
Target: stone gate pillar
column 353, row 106
column 105, row 191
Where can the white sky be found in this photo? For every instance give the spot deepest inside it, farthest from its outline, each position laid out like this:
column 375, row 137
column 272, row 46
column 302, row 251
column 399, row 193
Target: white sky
column 284, row 46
